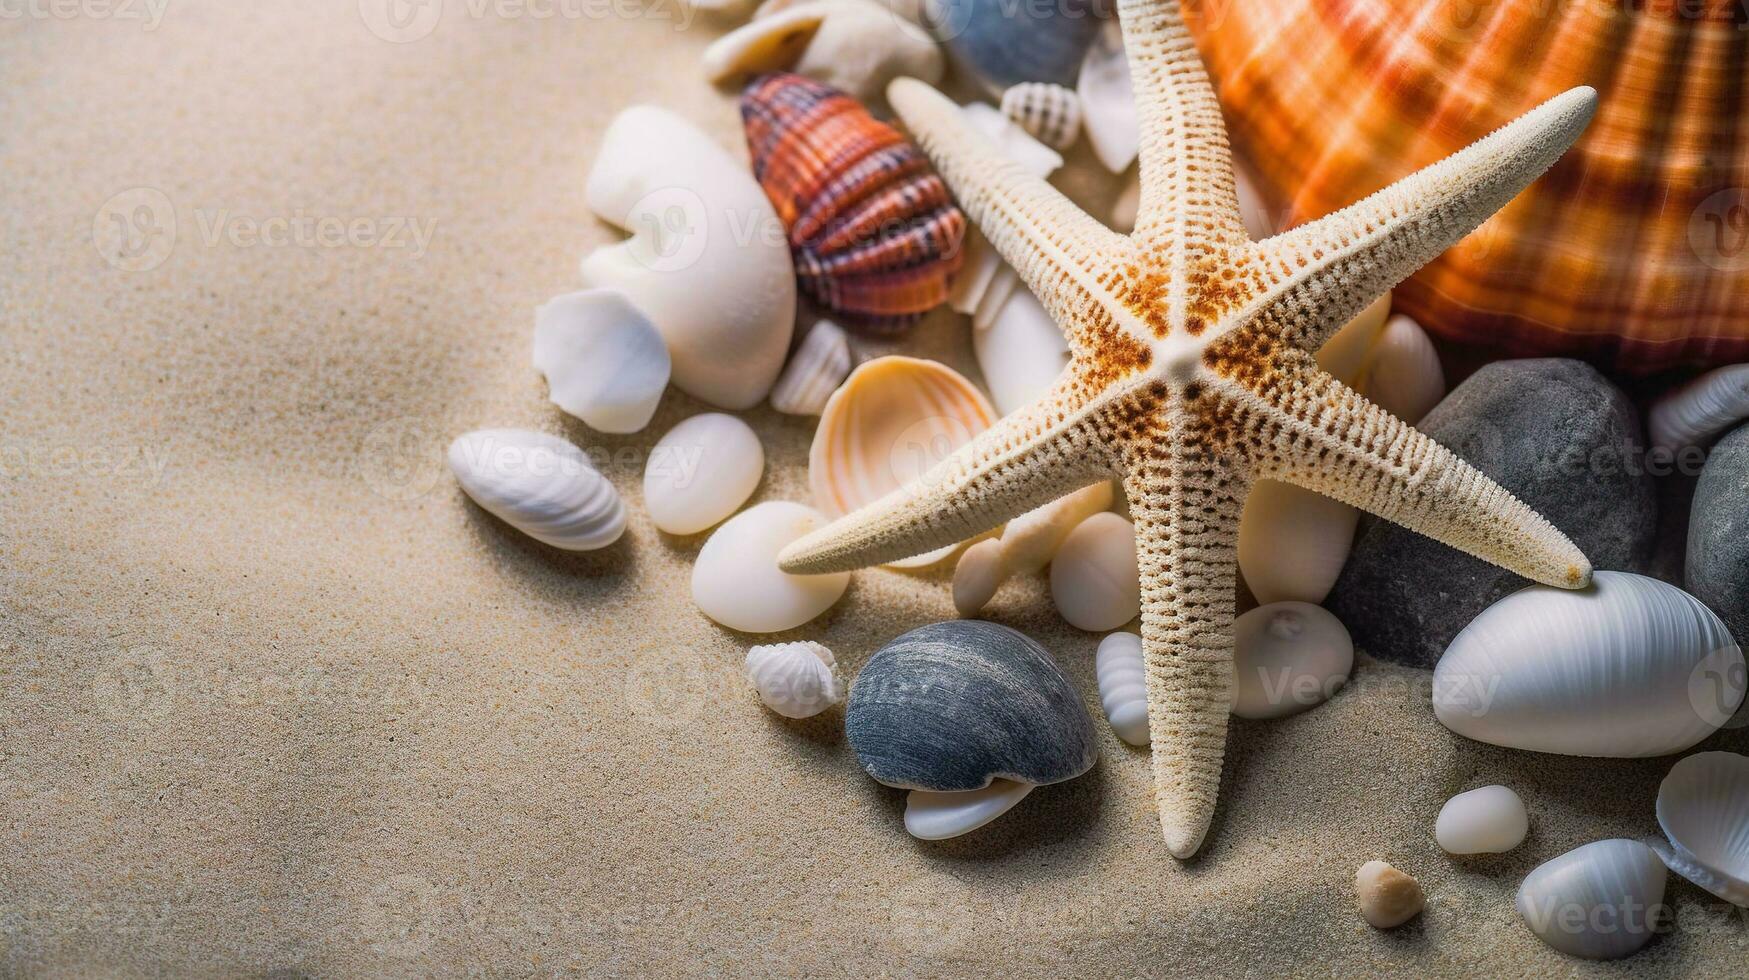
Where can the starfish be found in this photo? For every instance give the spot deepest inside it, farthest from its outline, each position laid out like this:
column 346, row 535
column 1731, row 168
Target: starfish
column 1192, row 376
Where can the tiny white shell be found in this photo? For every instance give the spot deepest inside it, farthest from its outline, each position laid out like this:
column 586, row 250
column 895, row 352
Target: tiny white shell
column 1030, row 541
column 1287, row 657
column 977, row 576
column 1600, row 901
column 1628, row 668
column 1293, row 542
column 1404, row 376
column 539, row 484
column 1703, row 806
column 701, row 471
column 1108, row 103
column 796, row 680
column 855, row 46
column 1692, row 414
column 1388, row 897
column 1489, row 820
column 604, row 361
column 736, row 580
column 1051, row 113
column 1095, row 580
column 816, row 369
column 939, row 816
column 1123, row 686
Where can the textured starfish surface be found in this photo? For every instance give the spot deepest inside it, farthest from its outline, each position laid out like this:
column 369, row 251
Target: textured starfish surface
column 1192, row 376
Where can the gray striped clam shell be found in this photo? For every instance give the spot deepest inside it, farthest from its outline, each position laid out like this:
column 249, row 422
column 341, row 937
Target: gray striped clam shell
column 1051, row 113
column 951, row 706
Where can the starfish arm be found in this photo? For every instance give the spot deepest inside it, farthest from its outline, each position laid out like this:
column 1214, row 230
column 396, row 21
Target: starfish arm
column 1189, row 195
column 1329, row 270
column 1330, row 439
column 1050, row 242
column 1187, row 532
column 1024, row 461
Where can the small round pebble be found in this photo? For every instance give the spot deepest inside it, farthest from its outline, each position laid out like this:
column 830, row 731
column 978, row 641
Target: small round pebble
column 1388, row 897
column 1490, row 820
column 736, row 580
column 701, row 471
column 1094, row 578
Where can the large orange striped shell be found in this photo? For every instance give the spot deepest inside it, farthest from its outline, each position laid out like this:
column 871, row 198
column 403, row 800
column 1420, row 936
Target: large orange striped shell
column 1633, row 251
column 872, row 227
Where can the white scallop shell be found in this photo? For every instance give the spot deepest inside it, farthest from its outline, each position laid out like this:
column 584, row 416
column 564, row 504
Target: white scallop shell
column 1108, row 103
column 736, row 581
column 1051, row 113
column 1630, row 667
column 796, row 680
column 1095, row 579
column 603, row 360
column 539, row 484
column 1404, row 376
column 1123, row 686
column 701, row 471
column 1692, row 414
column 1487, row 820
column 1600, row 901
column 1287, row 657
column 855, row 46
column 816, row 369
column 1703, row 806
column 1293, row 542
column 939, row 816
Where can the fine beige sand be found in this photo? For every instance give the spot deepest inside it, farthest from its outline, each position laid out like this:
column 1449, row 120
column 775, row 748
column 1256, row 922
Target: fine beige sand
column 276, row 699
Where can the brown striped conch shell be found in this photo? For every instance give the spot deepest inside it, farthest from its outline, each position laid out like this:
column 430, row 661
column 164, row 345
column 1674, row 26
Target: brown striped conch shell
column 1633, row 250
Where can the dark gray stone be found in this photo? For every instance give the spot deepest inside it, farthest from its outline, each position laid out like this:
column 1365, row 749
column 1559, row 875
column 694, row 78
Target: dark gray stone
column 1558, row 435
column 1717, row 569
column 952, row 705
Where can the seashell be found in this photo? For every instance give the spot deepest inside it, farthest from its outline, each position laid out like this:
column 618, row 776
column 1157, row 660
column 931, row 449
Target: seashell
column 1692, row 414
column 701, row 471
column 977, row 576
column 1293, row 542
column 1703, row 806
column 1403, row 375
column 1095, row 580
column 1489, row 820
column 1388, row 897
column 796, row 680
column 1052, row 113
column 1127, row 205
column 1028, row 544
column 1630, row 251
column 1021, row 352
column 1625, row 669
column 1600, row 901
column 720, row 8
column 998, row 44
column 1123, row 686
column 1015, row 142
column 603, row 360
column 1263, row 219
column 856, row 46
column 1345, row 353
column 1108, row 102
column 891, row 420
column 736, row 580
column 873, row 229
column 814, row 372
column 1287, row 657
column 539, row 484
column 723, row 299
column 957, row 707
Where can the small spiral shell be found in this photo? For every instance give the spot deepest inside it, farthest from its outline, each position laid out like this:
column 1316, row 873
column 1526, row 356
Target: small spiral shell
column 796, row 680
column 1052, row 113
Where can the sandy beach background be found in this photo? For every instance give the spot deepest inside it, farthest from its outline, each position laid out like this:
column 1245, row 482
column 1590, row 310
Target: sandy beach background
column 276, row 699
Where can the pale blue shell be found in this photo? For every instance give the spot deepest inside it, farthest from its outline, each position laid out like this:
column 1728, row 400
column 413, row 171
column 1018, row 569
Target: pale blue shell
column 999, row 43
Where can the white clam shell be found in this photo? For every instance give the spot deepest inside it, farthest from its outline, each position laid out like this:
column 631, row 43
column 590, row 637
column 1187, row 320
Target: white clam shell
column 1051, row 113
column 707, row 261
column 736, row 580
column 1288, row 657
column 1020, row 350
column 1693, row 413
column 939, row 816
column 539, row 484
column 1293, row 542
column 796, row 680
column 1630, row 667
column 1108, row 103
column 1703, row 806
column 816, row 369
column 1404, row 376
column 1123, row 686
column 855, row 46
column 1344, row 355
column 1095, row 581
column 1600, row 901
column 603, row 360
column 1488, row 820
column 702, row 471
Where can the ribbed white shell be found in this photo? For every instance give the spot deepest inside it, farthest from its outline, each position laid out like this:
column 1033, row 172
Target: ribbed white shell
column 541, row 485
column 1051, row 113
column 1692, row 414
column 1123, row 686
column 816, row 369
column 796, row 680
column 1703, row 806
column 1628, row 668
column 1596, row 901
